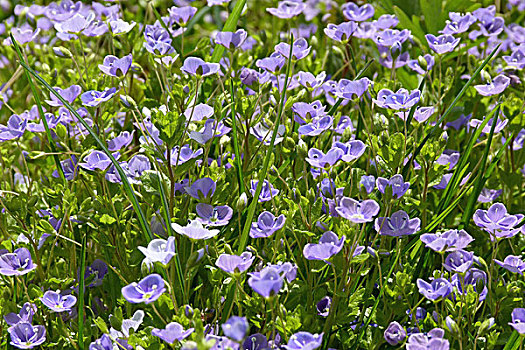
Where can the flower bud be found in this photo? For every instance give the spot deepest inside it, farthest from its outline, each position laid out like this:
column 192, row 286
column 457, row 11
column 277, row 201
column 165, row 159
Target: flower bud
column 452, row 325
column 128, row 102
column 485, row 326
column 422, row 62
column 242, row 202
column 61, row 51
column 485, row 76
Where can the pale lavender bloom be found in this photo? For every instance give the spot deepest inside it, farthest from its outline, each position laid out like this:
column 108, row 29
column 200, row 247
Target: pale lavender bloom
column 386, row 21
column 96, row 160
column 354, row 12
column 473, row 277
column 445, row 179
column 94, row 98
column 173, row 331
column 146, row 291
column 26, row 336
column 447, row 241
column 438, row 289
column 317, row 126
column 267, row 282
column 234, row 263
column 103, row 343
column 345, row 123
column 341, row 32
column 182, row 15
column 487, row 195
column 287, row 9
column 318, row 159
column 310, row 81
column 197, row 66
column 22, row 35
column 421, row 114
column 267, row 224
column 69, row 94
column 267, row 191
column 328, row 246
column 518, row 320
column 399, row 224
column 57, row 302
column 394, row 333
column 512, row 263
column 231, row 40
column 386, row 59
column 304, row 341
column 459, row 24
column 494, row 87
column 158, row 250
column 15, row 128
column 272, row 64
column 497, row 221
column 366, row 30
column 75, row 24
column 448, row 157
column 402, row 99
column 249, row 76
column 368, row 182
column 323, row 306
column 391, row 37
column 352, row 150
column 443, row 43
column 217, row 2
column 264, row 134
column 52, row 122
column 348, row 88
column 25, row 315
column 236, row 328
column 459, row 261
column 415, row 65
column 491, row 26
column 194, row 230
column 158, row 40
column 121, row 141
column 357, row 212
column 306, row 112
column 211, row 129
column 116, row 67
column 118, row 26
column 300, row 49
column 95, row 273
column 202, row 189
column 396, row 182
column 516, row 59
column 214, row 216
column 17, row 263
column 432, row 341
column 186, row 154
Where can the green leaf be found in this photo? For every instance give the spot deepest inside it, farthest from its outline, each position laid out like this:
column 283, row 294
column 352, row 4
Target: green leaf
column 106, row 219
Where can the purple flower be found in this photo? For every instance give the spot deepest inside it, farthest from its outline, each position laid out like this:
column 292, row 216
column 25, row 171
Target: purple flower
column 267, row 224
column 231, row 40
column 399, row 224
column 500, row 125
column 353, row 12
column 497, row 221
column 26, row 336
column 272, row 64
column 198, row 112
column 431, row 341
column 173, row 331
column 267, row 191
column 341, row 32
column 318, row 159
column 17, row 263
column 235, row 328
column 459, row 261
column 391, row 37
column 415, row 65
column 196, row 66
column 182, row 15
column 103, row 343
column 263, row 133
column 512, row 263
column 26, row 315
column 69, row 94
column 310, row 81
column 202, row 189
column 323, row 306
column 487, row 195
column 255, row 341
column 93, row 98
column 516, row 59
column 475, row 278
column 458, row 24
column 494, row 87
column 22, row 35
column 194, row 230
column 186, row 154
column 234, row 263
column 214, row 216
column 304, row 341
column 96, row 160
column 116, row 67
column 491, row 26
column 396, row 182
column 316, row 127
column 158, row 40
column 146, row 291
column 518, row 320
column 352, row 150
column 95, row 273
column 395, row 333
column 368, row 182
column 267, row 282
column 438, row 289
column 159, row 250
column 287, row 9
column 75, row 24
column 211, row 129
column 121, row 141
column 442, row 44
column 402, row 99
column 348, row 88
column 357, row 212
column 447, row 241
column 15, row 128
column 58, row 302
column 421, row 114
column 300, row 49
column 118, row 26
column 328, row 246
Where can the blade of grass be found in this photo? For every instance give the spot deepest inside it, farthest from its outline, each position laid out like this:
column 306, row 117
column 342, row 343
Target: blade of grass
column 229, row 26
column 127, row 186
column 449, row 109
column 40, row 111
column 238, row 165
column 81, row 292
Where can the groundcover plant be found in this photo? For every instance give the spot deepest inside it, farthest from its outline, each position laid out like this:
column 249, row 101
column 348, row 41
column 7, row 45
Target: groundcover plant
column 306, row 174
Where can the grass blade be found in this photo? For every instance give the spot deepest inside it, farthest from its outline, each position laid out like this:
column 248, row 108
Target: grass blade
column 229, row 26
column 238, row 165
column 81, row 294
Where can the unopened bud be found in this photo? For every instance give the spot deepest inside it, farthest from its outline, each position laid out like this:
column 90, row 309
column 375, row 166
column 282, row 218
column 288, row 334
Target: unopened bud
column 61, row 51
column 242, row 202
